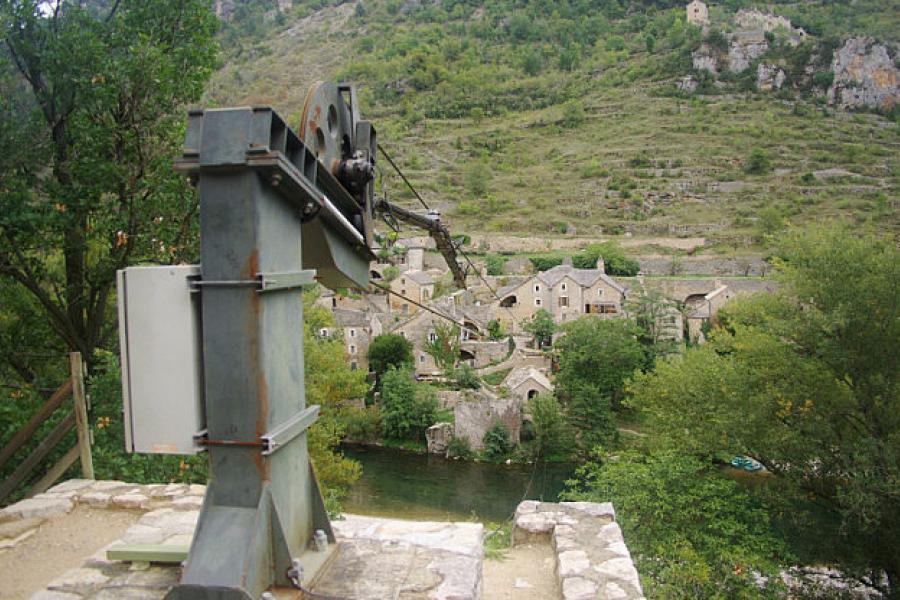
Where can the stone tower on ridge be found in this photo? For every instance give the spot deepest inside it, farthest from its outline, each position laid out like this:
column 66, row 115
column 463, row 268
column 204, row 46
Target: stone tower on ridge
column 697, row 13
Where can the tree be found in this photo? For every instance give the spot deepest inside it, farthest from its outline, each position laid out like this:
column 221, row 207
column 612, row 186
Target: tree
column 389, row 350
column 553, row 436
column 692, row 532
column 407, row 408
column 495, row 330
column 91, row 116
column 444, row 347
column 805, row 381
column 596, row 357
column 655, row 316
column 542, row 327
column 465, row 377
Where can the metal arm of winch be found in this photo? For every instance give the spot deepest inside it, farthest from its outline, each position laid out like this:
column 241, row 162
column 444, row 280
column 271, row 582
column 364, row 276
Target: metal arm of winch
column 432, row 224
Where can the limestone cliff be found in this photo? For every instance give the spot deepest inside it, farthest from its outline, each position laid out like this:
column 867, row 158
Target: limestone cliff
column 865, row 75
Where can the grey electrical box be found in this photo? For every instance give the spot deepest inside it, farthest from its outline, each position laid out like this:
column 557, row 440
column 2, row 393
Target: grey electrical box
column 160, row 341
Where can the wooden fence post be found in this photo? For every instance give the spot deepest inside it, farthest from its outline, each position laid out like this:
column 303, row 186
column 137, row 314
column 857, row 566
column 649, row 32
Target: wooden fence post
column 81, row 417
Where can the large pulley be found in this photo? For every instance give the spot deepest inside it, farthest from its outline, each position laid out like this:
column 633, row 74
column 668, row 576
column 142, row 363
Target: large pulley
column 345, row 145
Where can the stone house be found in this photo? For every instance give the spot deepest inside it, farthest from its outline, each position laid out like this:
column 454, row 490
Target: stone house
column 357, row 329
column 697, row 13
column 564, row 291
column 415, row 285
column 525, row 383
column 705, row 309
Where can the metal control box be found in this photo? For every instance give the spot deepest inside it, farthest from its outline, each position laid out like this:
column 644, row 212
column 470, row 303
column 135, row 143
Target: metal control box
column 160, row 345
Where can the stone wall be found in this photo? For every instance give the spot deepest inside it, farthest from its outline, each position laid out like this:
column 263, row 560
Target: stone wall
column 474, row 418
column 592, row 560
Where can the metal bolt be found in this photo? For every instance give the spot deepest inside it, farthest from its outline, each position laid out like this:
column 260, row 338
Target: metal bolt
column 275, row 179
column 267, row 596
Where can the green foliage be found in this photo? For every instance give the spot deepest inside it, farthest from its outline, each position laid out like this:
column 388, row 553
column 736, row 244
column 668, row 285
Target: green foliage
column 544, row 263
column 91, row 116
column 390, row 273
column 542, row 327
column 444, row 348
column 573, row 113
column 495, row 330
column 389, row 350
column 494, row 264
column 497, row 442
column 757, row 163
column 407, row 408
column 553, row 438
column 477, row 178
column 805, row 381
column 459, row 447
column 693, row 533
column 596, row 357
column 616, row 262
column 465, row 378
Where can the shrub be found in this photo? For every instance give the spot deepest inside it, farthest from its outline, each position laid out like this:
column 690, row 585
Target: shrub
column 757, row 163
column 459, row 447
column 390, row 273
column 465, row 377
column 494, row 264
column 495, row 330
column 497, row 443
column 552, row 435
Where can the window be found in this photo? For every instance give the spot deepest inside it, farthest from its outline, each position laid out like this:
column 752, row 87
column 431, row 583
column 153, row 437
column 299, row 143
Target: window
column 537, row 301
column 403, row 292
column 608, row 309
column 352, row 349
column 353, row 366
column 323, row 332
column 537, row 289
column 563, row 287
column 403, row 334
column 403, row 282
column 353, row 333
column 600, row 293
column 421, row 358
column 564, row 301
column 432, row 336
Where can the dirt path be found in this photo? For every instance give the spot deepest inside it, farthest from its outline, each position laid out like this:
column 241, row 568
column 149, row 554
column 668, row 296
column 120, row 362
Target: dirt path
column 525, row 573
column 60, row 544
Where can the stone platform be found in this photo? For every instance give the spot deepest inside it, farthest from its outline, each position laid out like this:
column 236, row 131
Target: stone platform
column 378, row 558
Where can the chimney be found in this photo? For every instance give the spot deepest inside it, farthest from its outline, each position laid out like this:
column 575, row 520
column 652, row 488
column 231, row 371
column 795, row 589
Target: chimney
column 601, row 266
column 567, row 261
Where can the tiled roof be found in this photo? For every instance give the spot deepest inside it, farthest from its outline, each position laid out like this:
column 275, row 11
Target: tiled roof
column 520, row 375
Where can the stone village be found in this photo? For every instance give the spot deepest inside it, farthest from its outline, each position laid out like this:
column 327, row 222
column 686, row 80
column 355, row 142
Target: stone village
column 415, row 308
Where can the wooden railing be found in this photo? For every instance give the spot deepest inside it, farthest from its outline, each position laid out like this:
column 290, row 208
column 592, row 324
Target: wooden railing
column 77, row 417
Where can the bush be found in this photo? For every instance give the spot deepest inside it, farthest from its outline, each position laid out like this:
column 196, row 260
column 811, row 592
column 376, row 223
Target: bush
column 362, row 424
column 494, row 264
column 495, row 330
column 497, row 443
column 757, row 163
column 459, row 447
column 465, row 378
column 407, row 408
column 551, row 433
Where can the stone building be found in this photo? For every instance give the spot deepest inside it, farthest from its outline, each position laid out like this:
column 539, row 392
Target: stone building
column 357, row 328
column 564, row 291
column 415, row 285
column 525, row 383
column 697, row 13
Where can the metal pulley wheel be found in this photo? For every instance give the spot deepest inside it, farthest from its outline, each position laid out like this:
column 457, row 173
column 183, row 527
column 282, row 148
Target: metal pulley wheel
column 326, row 125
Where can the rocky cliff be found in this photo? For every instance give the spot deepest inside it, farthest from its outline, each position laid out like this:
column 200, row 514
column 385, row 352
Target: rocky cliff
column 865, row 75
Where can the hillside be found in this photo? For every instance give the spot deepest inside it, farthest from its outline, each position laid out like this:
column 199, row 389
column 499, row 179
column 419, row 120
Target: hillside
column 563, row 119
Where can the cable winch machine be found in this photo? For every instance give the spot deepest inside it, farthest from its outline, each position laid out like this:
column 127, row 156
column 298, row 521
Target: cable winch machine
column 212, row 354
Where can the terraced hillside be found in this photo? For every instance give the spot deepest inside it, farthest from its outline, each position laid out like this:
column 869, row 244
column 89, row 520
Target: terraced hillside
column 574, row 127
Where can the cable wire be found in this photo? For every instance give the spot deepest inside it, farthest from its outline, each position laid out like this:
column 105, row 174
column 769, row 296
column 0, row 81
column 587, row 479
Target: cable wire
column 403, row 177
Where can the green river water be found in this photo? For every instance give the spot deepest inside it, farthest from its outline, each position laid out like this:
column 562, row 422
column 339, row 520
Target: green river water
column 427, row 487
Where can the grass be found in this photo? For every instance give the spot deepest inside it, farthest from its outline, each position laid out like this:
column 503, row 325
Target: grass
column 497, row 540
column 497, row 377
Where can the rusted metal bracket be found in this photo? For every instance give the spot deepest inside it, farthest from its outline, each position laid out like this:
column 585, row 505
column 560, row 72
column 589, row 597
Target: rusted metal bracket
column 264, row 282
column 271, row 441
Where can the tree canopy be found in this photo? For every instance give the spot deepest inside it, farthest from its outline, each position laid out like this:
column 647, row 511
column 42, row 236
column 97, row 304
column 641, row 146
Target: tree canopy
column 389, row 350
column 806, row 382
column 92, row 113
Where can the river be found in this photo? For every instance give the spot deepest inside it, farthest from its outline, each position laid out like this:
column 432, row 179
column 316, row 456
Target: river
column 405, row 485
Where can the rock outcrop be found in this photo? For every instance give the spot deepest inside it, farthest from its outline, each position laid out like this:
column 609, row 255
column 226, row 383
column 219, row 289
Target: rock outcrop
column 705, row 58
column 769, row 77
column 745, row 47
column 865, row 75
